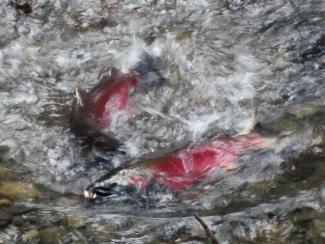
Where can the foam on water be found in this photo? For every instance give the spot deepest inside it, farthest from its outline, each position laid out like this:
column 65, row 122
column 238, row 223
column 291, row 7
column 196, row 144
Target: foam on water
column 212, row 82
column 227, row 63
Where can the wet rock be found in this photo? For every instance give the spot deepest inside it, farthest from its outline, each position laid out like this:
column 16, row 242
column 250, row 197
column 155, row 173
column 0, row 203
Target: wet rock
column 75, row 222
column 316, row 50
column 85, row 19
column 303, row 215
column 5, row 218
column 9, row 235
column 4, row 173
column 5, row 214
column 30, row 234
column 289, row 122
column 25, row 7
column 19, row 221
column 271, row 232
column 4, row 150
column 40, row 218
column 5, row 202
column 184, row 35
column 308, row 109
column 50, row 235
column 317, row 230
column 7, row 24
column 278, row 61
column 20, row 210
column 102, row 232
column 18, row 190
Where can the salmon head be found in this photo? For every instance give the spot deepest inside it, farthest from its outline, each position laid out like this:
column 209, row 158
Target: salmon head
column 125, row 182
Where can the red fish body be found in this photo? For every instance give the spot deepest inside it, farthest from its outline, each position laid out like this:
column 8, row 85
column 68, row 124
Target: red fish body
column 183, row 168
column 110, row 97
column 94, row 111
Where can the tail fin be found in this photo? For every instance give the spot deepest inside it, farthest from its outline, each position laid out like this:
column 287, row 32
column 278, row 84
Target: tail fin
column 148, row 74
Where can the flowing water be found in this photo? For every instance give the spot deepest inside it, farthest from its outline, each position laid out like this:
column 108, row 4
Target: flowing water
column 229, row 64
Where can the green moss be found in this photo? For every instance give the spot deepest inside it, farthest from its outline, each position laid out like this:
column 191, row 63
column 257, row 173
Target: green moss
column 18, row 190
column 51, row 235
column 5, row 173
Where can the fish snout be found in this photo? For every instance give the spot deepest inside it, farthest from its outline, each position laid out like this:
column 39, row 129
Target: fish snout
column 111, row 190
column 100, row 190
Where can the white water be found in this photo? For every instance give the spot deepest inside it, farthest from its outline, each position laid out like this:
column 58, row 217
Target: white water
column 226, row 66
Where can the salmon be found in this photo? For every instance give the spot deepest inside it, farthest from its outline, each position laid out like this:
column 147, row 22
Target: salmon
column 181, row 169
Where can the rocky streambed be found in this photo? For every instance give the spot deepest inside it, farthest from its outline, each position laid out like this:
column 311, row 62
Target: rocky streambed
column 228, row 64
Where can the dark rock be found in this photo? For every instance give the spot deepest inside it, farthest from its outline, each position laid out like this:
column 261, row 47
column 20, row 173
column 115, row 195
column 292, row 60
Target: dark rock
column 5, row 218
column 25, row 7
column 18, row 221
column 50, row 235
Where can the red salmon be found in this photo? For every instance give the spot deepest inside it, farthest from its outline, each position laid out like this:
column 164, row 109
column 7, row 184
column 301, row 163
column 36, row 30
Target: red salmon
column 181, row 169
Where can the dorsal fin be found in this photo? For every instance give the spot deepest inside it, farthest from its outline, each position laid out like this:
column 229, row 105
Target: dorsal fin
column 79, row 95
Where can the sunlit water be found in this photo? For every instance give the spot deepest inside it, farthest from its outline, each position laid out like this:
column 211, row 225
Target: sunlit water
column 229, row 65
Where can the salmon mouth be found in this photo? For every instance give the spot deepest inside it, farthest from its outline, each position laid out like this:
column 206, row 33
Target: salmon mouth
column 102, row 191
column 113, row 190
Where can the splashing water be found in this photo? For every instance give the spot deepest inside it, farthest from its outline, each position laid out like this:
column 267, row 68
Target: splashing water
column 226, row 64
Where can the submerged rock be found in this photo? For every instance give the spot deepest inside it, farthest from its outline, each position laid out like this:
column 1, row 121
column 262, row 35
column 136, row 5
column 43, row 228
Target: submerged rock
column 5, row 218
column 30, row 235
column 25, row 7
column 5, row 202
column 8, row 29
column 18, row 190
column 75, row 221
column 5, row 173
column 50, row 235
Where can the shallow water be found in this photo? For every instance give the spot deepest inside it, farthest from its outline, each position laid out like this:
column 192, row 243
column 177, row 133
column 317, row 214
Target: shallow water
column 229, row 64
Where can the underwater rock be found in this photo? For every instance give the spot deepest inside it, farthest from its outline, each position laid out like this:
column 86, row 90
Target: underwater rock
column 25, row 7
column 4, row 219
column 5, row 202
column 30, row 234
column 74, row 222
column 50, row 235
column 5, row 173
column 5, row 214
column 18, row 190
column 7, row 24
